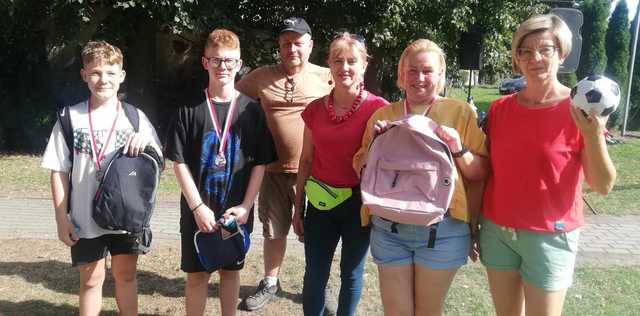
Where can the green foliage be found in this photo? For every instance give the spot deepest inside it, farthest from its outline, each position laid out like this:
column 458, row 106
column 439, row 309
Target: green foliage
column 593, row 58
column 163, row 40
column 633, row 121
column 24, row 75
column 617, row 44
column 568, row 79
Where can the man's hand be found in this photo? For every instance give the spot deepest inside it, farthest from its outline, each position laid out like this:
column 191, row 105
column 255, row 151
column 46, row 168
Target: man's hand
column 298, row 224
column 239, row 211
column 136, row 144
column 205, row 219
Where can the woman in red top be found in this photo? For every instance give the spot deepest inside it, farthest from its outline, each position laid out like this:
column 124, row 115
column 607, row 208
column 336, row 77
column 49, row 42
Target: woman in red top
column 334, row 126
column 541, row 149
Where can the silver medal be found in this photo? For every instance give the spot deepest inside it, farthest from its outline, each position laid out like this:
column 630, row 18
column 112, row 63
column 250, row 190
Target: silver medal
column 220, row 161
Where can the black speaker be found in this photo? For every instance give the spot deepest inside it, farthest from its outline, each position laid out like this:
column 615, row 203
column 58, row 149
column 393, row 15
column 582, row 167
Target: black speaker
column 470, row 51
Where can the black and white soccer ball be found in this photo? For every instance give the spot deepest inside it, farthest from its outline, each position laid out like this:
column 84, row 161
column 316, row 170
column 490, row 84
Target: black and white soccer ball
column 597, row 93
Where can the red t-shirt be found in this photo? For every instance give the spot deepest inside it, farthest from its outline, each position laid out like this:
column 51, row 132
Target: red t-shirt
column 536, row 178
column 336, row 143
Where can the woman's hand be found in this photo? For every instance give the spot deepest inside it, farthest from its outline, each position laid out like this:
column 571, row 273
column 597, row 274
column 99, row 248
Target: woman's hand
column 592, row 125
column 450, row 137
column 474, row 250
column 381, row 126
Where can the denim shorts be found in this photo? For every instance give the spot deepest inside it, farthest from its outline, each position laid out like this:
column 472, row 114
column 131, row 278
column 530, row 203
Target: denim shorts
column 404, row 244
column 545, row 260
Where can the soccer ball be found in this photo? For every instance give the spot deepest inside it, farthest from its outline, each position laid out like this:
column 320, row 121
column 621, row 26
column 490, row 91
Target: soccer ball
column 597, row 93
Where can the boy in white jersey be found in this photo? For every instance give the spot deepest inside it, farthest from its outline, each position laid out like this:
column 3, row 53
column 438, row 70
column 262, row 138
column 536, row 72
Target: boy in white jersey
column 100, row 128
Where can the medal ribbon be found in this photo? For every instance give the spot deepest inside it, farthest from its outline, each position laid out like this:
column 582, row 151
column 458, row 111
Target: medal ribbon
column 100, row 155
column 407, row 107
column 216, row 123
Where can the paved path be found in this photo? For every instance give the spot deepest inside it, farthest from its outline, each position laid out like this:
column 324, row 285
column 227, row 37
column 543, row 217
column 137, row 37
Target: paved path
column 605, row 240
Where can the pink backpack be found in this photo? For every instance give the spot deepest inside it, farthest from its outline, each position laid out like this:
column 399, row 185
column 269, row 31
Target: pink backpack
column 409, row 175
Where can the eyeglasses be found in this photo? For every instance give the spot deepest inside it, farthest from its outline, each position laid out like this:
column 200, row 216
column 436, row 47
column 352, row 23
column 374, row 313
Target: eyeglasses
column 217, row 62
column 526, row 54
column 289, row 85
column 347, row 35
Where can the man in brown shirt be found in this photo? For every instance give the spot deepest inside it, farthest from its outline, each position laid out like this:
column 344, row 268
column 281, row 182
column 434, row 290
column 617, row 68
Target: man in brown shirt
column 284, row 90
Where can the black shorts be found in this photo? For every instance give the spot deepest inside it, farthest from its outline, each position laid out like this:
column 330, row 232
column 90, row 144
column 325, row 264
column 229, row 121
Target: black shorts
column 90, row 250
column 189, row 261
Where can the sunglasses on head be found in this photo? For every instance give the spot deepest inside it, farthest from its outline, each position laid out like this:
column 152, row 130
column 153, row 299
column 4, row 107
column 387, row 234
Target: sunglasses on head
column 357, row 37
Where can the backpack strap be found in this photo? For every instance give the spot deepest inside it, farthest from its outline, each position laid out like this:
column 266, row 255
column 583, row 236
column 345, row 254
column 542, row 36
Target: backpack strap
column 67, row 130
column 64, row 119
column 131, row 112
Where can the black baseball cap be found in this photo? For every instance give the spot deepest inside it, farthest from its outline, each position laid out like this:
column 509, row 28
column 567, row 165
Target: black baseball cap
column 295, row 24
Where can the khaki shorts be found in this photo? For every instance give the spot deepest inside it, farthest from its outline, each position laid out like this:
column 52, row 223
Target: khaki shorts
column 275, row 204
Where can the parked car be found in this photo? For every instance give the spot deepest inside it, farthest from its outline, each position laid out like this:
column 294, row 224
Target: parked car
column 509, row 86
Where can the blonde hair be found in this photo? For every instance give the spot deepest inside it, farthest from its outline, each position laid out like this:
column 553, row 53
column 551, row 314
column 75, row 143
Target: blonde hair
column 346, row 41
column 103, row 52
column 538, row 24
column 222, row 38
column 420, row 46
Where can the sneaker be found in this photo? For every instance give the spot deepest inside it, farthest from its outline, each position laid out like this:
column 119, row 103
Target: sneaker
column 263, row 295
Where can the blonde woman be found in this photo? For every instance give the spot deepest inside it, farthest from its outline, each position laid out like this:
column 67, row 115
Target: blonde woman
column 415, row 278
column 334, row 126
column 541, row 150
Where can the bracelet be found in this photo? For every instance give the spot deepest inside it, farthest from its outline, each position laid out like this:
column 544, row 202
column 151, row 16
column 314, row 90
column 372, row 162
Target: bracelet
column 460, row 153
column 195, row 208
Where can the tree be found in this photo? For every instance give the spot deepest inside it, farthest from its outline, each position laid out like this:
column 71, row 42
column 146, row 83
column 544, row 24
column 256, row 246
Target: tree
column 633, row 121
column 617, row 45
column 163, row 41
column 593, row 59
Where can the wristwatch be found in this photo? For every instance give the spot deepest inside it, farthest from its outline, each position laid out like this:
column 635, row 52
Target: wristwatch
column 460, row 153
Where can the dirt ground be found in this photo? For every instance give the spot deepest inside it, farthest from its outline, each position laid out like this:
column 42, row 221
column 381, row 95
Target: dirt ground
column 36, row 278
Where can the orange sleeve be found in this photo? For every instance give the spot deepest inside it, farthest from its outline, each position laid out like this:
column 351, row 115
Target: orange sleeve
column 248, row 85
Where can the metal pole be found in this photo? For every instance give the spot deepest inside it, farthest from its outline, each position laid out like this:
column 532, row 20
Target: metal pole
column 469, row 90
column 623, row 131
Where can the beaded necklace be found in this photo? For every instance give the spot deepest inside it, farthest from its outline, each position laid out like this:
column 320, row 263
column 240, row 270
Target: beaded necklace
column 346, row 116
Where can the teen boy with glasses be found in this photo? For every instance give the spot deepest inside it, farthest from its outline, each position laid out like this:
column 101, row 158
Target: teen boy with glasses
column 220, row 148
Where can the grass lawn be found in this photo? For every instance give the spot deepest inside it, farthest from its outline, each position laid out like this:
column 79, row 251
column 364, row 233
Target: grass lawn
column 482, row 95
column 21, row 176
column 625, row 197
column 45, row 284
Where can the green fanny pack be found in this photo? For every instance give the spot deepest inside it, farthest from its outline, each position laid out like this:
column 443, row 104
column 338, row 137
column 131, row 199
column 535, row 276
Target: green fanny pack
column 323, row 196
